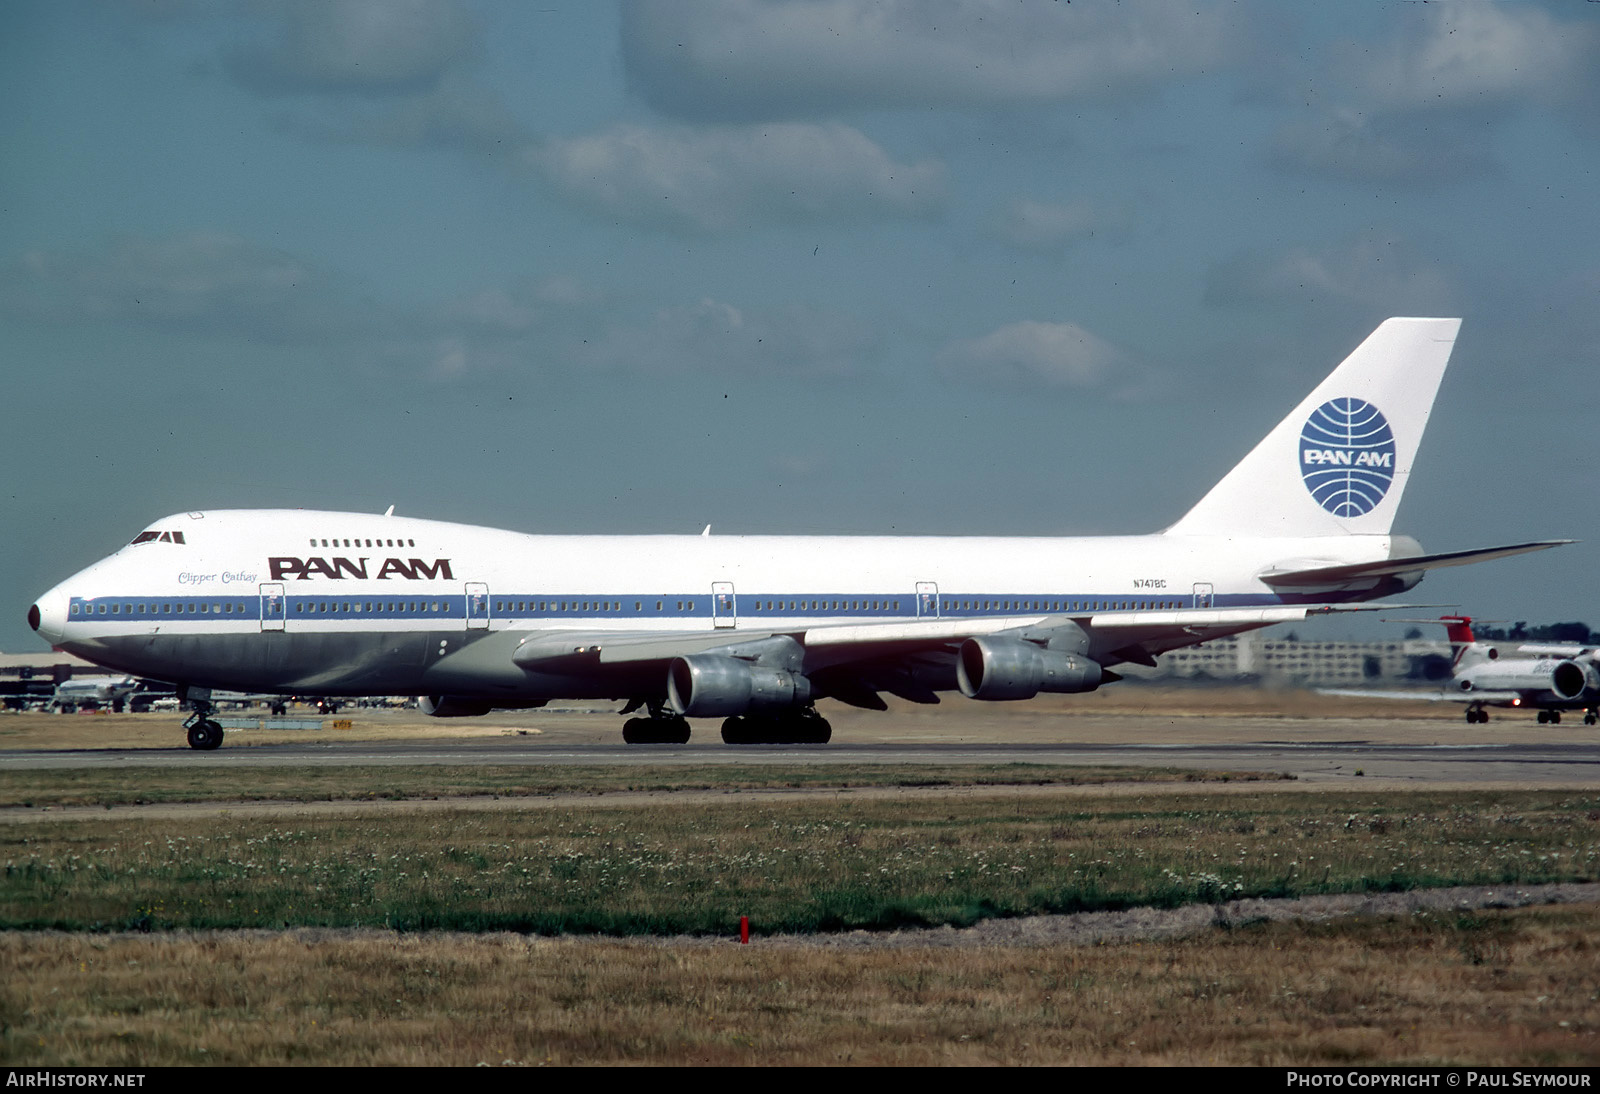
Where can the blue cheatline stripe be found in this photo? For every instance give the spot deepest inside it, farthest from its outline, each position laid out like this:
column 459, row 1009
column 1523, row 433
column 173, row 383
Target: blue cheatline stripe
column 747, row 607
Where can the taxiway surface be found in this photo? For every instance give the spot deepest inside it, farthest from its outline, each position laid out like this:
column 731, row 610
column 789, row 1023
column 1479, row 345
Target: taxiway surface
column 1315, row 750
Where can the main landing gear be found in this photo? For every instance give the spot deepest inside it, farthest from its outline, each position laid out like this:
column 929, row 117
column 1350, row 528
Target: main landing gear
column 789, row 727
column 1591, row 716
column 661, row 728
column 204, row 733
column 1476, row 715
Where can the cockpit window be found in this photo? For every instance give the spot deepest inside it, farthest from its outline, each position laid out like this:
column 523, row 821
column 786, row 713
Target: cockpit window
column 153, row 537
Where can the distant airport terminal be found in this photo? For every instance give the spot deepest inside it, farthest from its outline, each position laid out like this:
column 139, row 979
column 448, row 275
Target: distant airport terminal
column 1249, row 656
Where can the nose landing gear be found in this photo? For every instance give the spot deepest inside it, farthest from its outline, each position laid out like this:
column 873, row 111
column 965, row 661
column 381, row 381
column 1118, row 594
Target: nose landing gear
column 205, row 735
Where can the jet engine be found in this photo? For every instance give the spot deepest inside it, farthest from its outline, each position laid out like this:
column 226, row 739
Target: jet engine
column 1009, row 668
column 1570, row 679
column 453, row 706
column 1566, row 679
column 709, row 685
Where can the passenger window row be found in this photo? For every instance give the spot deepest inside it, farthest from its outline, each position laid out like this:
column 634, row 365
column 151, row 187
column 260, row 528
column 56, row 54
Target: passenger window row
column 305, row 606
column 358, row 542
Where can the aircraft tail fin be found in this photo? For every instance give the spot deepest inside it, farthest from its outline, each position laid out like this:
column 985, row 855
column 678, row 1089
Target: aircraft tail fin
column 1458, row 629
column 1338, row 464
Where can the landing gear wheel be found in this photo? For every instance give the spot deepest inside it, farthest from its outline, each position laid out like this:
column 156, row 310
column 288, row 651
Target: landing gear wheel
column 790, row 728
column 1591, row 718
column 1555, row 717
column 810, row 728
column 205, row 735
column 656, row 731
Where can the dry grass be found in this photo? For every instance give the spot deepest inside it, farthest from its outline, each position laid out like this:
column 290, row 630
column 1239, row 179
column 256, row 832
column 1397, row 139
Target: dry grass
column 1497, row 988
column 1507, row 988
column 660, row 866
column 48, row 788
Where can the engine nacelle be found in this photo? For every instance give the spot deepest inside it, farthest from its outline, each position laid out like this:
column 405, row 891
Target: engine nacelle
column 1009, row 668
column 709, row 685
column 453, row 706
column 1566, row 679
column 1570, row 679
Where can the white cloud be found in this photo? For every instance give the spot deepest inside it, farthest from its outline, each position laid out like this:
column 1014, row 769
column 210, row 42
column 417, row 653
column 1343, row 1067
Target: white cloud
column 1367, row 147
column 1058, row 354
column 220, row 286
column 715, row 336
column 743, row 59
column 454, row 117
column 1055, row 226
column 1370, row 269
column 1423, row 104
column 724, row 178
column 203, row 282
column 360, row 46
column 1473, row 55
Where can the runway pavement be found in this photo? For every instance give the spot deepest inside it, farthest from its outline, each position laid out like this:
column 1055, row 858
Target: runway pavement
column 1315, row 751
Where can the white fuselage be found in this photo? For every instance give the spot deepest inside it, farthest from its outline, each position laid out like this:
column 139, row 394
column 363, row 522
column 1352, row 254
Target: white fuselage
column 285, row 586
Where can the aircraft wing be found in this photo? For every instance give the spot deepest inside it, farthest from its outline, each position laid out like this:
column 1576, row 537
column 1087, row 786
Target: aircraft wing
column 1554, row 649
column 1426, row 696
column 1334, row 575
column 854, row 661
column 1508, row 698
column 843, row 642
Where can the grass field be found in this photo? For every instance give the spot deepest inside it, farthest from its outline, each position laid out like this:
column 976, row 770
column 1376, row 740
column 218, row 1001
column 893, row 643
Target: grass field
column 1481, row 988
column 566, row 916
column 152, row 785
column 663, row 866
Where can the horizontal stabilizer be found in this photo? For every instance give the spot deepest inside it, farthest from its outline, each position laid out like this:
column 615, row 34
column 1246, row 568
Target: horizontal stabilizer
column 1332, row 575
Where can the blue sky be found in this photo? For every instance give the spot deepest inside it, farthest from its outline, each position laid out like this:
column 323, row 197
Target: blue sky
column 817, row 266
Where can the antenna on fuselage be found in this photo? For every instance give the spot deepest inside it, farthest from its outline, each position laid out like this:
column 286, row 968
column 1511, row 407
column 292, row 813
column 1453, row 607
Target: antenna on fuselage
column 389, row 512
column 706, row 531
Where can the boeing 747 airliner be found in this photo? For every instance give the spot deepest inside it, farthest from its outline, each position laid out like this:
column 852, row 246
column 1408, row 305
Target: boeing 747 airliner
column 756, row 629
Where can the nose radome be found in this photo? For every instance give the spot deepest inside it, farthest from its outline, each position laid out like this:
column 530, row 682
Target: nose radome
column 48, row 616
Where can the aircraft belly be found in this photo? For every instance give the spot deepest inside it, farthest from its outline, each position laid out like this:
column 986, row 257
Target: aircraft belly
column 482, row 666
column 349, row 663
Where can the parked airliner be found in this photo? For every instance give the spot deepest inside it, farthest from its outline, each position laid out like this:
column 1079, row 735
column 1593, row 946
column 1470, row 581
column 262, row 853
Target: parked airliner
column 756, row 629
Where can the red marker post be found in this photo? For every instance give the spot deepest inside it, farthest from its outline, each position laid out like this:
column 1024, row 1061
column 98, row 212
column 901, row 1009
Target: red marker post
column 744, row 930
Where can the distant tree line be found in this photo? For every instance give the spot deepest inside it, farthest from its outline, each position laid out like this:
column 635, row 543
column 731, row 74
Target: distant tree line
column 1578, row 633
column 1434, row 666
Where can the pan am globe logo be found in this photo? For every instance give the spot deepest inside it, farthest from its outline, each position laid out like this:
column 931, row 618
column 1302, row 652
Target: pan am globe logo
column 1347, row 456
